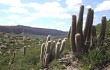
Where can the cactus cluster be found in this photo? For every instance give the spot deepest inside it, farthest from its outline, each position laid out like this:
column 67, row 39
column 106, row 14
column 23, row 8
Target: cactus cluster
column 51, row 50
column 82, row 40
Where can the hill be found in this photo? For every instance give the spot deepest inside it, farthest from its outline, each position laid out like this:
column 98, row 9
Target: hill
column 19, row 29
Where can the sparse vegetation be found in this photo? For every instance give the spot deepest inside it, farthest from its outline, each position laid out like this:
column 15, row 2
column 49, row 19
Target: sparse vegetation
column 24, row 52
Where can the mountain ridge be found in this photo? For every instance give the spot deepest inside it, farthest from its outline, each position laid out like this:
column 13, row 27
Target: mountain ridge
column 18, row 29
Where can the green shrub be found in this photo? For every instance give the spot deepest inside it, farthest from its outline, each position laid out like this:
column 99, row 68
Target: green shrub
column 97, row 57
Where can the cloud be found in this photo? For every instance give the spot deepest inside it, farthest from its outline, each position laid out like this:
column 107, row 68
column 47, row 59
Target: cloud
column 105, row 5
column 53, row 25
column 73, row 4
column 26, row 13
column 49, row 9
column 17, row 10
column 13, row 17
column 10, row 23
column 11, row 2
column 88, row 6
column 28, row 19
column 1, row 20
column 60, row 23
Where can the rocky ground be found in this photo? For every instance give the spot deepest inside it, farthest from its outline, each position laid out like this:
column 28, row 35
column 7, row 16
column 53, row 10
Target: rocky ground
column 68, row 62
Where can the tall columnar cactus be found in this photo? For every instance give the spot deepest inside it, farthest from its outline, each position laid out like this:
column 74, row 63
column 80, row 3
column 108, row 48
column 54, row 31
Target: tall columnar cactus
column 57, row 50
column 51, row 50
column 78, row 42
column 83, row 42
column 72, row 34
column 52, row 54
column 42, row 53
column 88, row 20
column 90, row 24
column 80, row 20
column 80, row 23
column 62, row 46
column 93, row 31
column 103, row 28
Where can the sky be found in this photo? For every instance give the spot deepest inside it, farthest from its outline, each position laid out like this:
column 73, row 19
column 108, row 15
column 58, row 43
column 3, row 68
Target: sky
column 54, row 14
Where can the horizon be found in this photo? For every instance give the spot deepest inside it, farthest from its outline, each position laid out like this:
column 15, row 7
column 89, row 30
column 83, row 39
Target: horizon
column 49, row 14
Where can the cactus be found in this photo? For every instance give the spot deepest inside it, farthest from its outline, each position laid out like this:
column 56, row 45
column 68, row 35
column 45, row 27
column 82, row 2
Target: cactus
column 50, row 51
column 48, row 47
column 87, row 24
column 72, row 34
column 52, row 54
column 103, row 28
column 78, row 42
column 57, row 50
column 59, row 40
column 42, row 53
column 80, row 20
column 90, row 25
column 24, row 50
column 46, row 60
column 62, row 45
column 84, row 41
column 48, row 38
column 93, row 31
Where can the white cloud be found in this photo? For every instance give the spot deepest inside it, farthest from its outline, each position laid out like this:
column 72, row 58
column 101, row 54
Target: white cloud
column 18, row 10
column 28, row 19
column 1, row 20
column 60, row 23
column 49, row 9
column 105, row 5
column 15, row 6
column 73, row 4
column 45, row 10
column 88, row 6
column 54, row 25
column 13, row 17
column 11, row 2
column 59, row 0
column 10, row 23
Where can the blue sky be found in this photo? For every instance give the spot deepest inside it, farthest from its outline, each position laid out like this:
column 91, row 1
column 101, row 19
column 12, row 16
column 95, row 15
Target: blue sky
column 54, row 14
